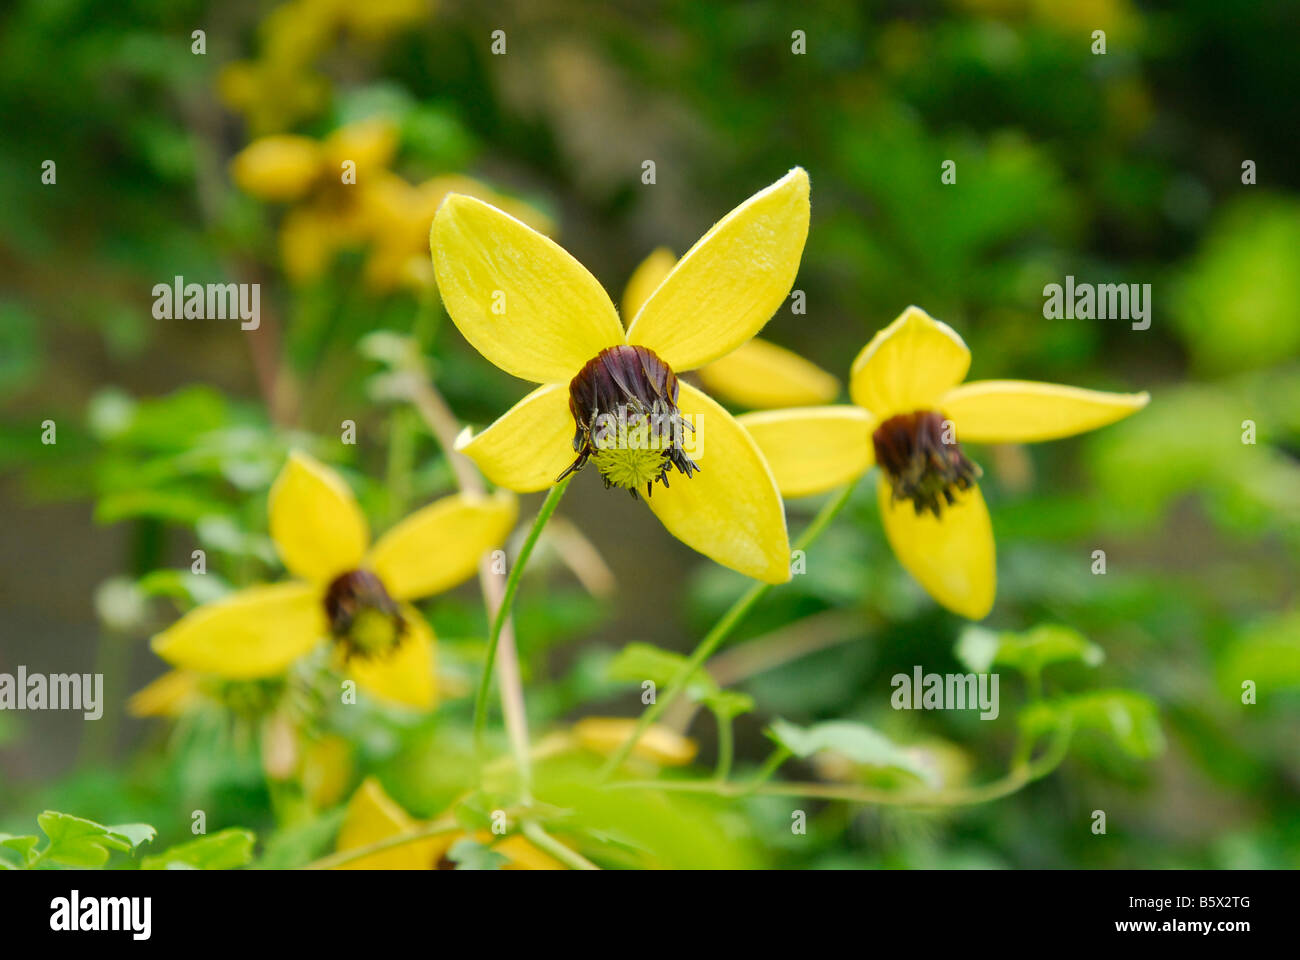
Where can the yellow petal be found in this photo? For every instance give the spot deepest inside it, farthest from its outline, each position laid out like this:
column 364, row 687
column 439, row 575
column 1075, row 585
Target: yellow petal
column 813, row 449
column 658, row 744
column 373, row 816
column 952, row 556
column 522, row 855
column 730, row 511
column 516, row 296
column 433, row 191
column 315, row 522
column 760, row 375
column 440, row 545
column 310, row 238
column 256, row 632
column 405, row 676
column 168, row 696
column 529, row 445
column 908, row 365
column 370, row 144
column 731, row 282
column 649, row 273
column 1020, row 411
column 281, row 168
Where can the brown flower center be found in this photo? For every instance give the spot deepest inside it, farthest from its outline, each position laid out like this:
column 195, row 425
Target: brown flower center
column 920, row 456
column 364, row 620
column 624, row 405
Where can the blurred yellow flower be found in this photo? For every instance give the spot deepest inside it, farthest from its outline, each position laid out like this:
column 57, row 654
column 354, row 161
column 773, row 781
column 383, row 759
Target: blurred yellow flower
column 912, row 409
column 358, row 598
column 338, row 185
column 373, row 816
column 281, row 86
column 613, row 396
column 376, row 209
column 402, row 214
column 658, row 744
column 757, row 374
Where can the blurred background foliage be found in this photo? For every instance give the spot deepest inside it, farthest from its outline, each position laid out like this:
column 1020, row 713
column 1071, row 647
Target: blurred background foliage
column 1125, row 167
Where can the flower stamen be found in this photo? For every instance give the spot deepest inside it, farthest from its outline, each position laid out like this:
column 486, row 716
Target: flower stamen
column 364, row 620
column 920, row 456
column 624, row 405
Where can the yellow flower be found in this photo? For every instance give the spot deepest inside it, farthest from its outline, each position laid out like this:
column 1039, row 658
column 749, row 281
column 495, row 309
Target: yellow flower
column 271, row 96
column 400, row 217
column 329, row 214
column 757, row 374
column 358, row 598
column 658, row 744
column 281, row 86
column 614, row 397
column 373, row 816
column 280, row 168
column 912, row 413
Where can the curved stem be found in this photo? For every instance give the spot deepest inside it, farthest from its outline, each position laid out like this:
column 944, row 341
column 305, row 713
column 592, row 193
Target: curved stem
column 570, row 858
column 962, row 796
column 507, row 601
column 721, row 630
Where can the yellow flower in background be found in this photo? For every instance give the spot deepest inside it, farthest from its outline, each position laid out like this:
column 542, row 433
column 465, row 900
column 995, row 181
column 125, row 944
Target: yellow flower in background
column 378, row 210
column 402, row 214
column 911, row 416
column 329, row 213
column 757, row 374
column 357, row 598
column 373, row 816
column 281, row 85
column 613, row 397
column 659, row 744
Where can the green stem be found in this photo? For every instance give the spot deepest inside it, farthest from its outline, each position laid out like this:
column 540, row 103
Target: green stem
column 721, row 630
column 960, row 796
column 570, row 858
column 770, row 766
column 507, row 601
column 726, row 747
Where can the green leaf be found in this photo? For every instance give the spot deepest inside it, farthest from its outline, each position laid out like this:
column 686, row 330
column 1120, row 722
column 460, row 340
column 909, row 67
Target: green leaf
column 639, row 662
column 225, row 850
column 729, row 703
column 192, row 588
column 1130, row 718
column 25, row 847
column 77, row 842
column 857, row 741
column 1028, row 652
column 469, row 854
column 135, row 833
column 1267, row 653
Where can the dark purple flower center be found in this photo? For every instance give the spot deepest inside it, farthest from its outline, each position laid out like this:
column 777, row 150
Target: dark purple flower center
column 624, row 406
column 922, row 460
